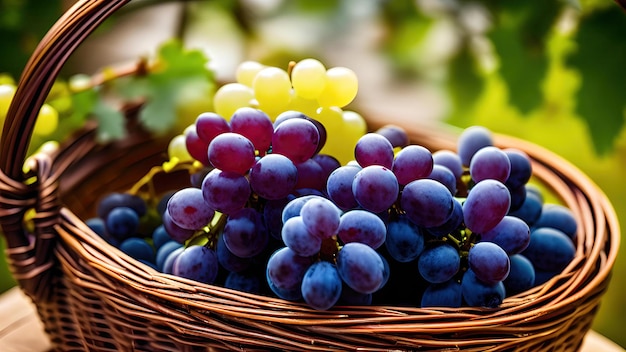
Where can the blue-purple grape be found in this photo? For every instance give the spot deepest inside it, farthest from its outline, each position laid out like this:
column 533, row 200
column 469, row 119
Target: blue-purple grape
column 339, row 186
column 361, row 267
column 362, row 226
column 321, row 217
column 479, row 294
column 471, row 140
column 486, row 204
column 225, row 191
column 255, row 125
column 164, row 251
column 115, row 200
column 530, row 210
column 549, row 249
column 444, row 176
column 489, row 262
column 285, row 269
column 427, row 203
column 209, row 125
column 374, row 149
column 228, row 260
column 375, row 188
column 296, row 236
column 451, row 224
column 274, row 176
column 521, row 168
column 310, row 175
column 244, row 234
column 411, row 163
column 521, row 276
column 138, row 248
column 558, row 217
column 449, row 159
column 231, row 152
column 188, row 209
column 439, row 263
column 490, row 163
column 511, row 234
column 197, row 263
column 404, row 241
column 321, row 285
column 297, row 139
column 446, row 294
column 397, row 136
column 122, row 223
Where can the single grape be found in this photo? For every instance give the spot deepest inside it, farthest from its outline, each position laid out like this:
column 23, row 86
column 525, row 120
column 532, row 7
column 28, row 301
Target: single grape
column 530, row 210
column 98, row 226
column 511, row 233
column 225, row 191
column 291, row 114
column 272, row 215
column 168, row 264
column 188, row 209
column 339, row 186
column 246, row 71
column 521, row 276
column 231, row 152
column 196, row 263
column 411, row 163
column 521, row 168
column 360, row 267
column 176, row 232
column 196, row 147
column 486, row 204
column 47, row 121
column 115, row 199
column 122, row 223
column 294, row 207
column 272, row 88
column 490, row 163
column 439, row 263
column 289, row 294
column 296, row 236
column 549, row 249
column 361, row 226
column 297, row 139
column 340, row 89
column 164, row 251
column 230, row 97
column 244, row 282
column 274, row 176
column 350, row 297
column 395, row 135
column 445, row 294
column 321, row 285
column 404, row 240
column 471, row 140
column 375, row 188
column 308, row 78
column 558, row 217
column 449, row 159
column 209, row 125
column 489, row 262
column 328, row 163
column 444, row 176
column 454, row 221
column 310, row 175
column 228, row 260
column 177, row 148
column 427, row 202
column 479, row 294
column 286, row 269
column 244, row 234
column 321, row 217
column 374, row 149
column 255, row 125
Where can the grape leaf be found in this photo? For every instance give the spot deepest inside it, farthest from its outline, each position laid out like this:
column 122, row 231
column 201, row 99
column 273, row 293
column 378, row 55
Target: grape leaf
column 519, row 35
column 465, row 84
column 600, row 58
column 111, row 122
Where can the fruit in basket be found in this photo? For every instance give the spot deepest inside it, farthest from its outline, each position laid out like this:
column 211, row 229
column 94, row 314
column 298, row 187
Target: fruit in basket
column 273, row 208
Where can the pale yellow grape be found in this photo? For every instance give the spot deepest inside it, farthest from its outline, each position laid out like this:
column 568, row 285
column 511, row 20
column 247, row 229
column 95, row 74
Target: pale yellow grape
column 341, row 87
column 79, row 82
column 354, row 124
column 272, row 89
column 47, row 120
column 7, row 91
column 178, row 149
column 231, row 97
column 332, row 119
column 246, row 71
column 308, row 107
column 308, row 78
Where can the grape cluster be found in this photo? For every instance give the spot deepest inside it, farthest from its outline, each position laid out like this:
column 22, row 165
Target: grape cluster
column 269, row 211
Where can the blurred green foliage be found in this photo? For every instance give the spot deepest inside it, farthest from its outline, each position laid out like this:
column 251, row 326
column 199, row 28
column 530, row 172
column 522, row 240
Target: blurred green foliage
column 550, row 72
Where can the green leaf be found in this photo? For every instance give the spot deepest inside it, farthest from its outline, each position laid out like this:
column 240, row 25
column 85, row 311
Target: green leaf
column 111, row 122
column 465, row 84
column 600, row 58
column 519, row 36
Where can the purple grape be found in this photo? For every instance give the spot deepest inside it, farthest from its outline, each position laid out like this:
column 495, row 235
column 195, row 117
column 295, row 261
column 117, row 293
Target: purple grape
column 310, row 175
column 521, row 168
column 449, row 159
column 361, row 267
column 521, row 276
column 362, row 226
column 274, row 176
column 289, row 294
column 350, row 297
column 209, row 125
column 176, row 232
column 297, row 139
column 558, row 217
column 549, row 249
column 138, row 248
column 471, row 140
column 255, row 125
column 321, row 285
column 375, row 188
column 486, row 204
column 122, row 223
column 444, row 176
column 530, row 210
column 511, row 233
column 293, row 208
column 427, row 203
column 404, row 241
column 374, row 149
column 115, row 200
column 244, row 282
column 296, row 236
column 321, row 217
column 232, row 152
column 454, row 221
column 339, row 186
column 228, row 260
column 439, row 263
column 188, row 209
column 490, row 163
column 272, row 215
column 489, row 262
column 164, row 251
column 445, row 294
column 196, row 263
column 290, row 114
column 285, row 269
column 225, row 191
column 328, row 163
column 518, row 196
column 245, row 235
column 479, row 294
column 395, row 135
column 411, row 163
column 160, row 236
column 197, row 147
column 168, row 263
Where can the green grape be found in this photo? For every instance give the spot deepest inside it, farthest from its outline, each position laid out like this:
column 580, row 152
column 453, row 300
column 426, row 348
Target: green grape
column 354, row 127
column 47, row 120
column 272, row 89
column 308, row 78
column 246, row 71
column 231, row 97
column 341, row 87
column 308, row 107
column 7, row 91
column 178, row 149
column 332, row 119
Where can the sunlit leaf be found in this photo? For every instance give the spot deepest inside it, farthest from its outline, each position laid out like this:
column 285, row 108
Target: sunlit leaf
column 465, row 84
column 600, row 57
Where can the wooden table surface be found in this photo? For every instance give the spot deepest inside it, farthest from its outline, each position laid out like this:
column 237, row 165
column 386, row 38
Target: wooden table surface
column 21, row 330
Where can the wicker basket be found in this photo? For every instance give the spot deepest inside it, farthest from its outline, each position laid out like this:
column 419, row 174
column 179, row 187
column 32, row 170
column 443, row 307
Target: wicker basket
column 90, row 296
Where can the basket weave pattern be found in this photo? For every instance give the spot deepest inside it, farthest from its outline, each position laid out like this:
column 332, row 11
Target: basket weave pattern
column 91, row 296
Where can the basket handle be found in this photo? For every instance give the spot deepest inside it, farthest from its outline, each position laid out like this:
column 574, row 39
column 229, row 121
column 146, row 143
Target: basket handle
column 30, row 258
